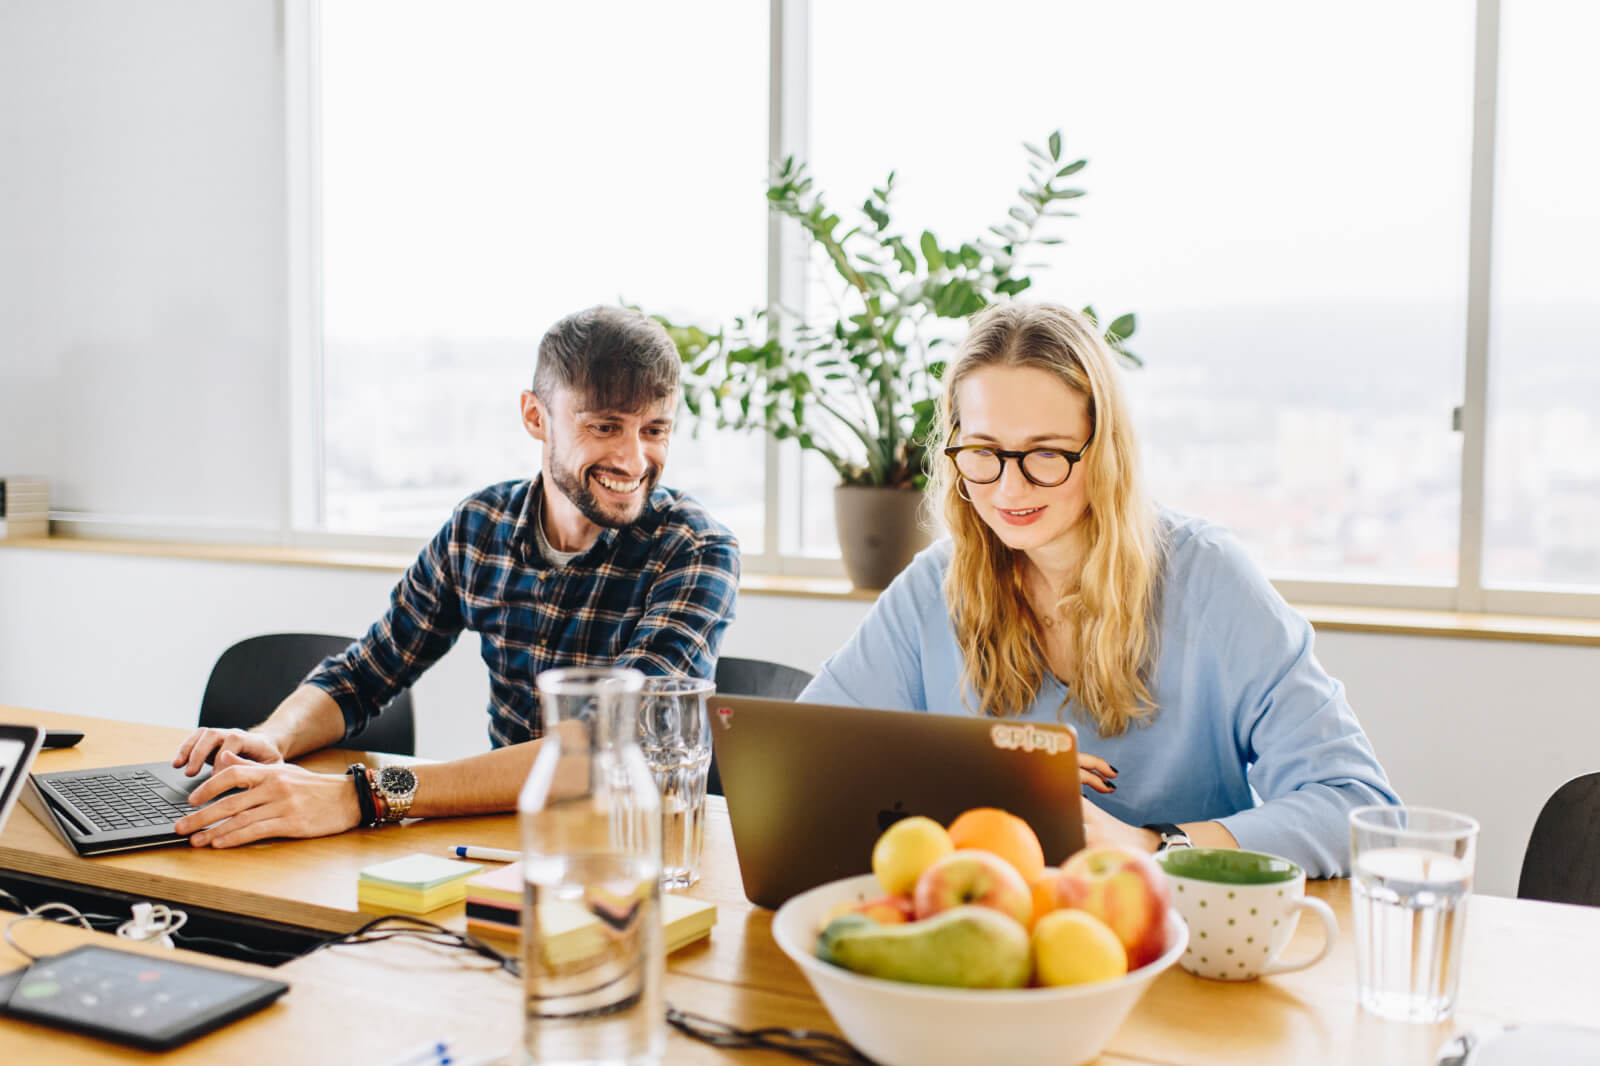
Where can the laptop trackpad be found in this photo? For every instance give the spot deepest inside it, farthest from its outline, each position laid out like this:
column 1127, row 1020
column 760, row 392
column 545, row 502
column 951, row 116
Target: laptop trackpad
column 171, row 795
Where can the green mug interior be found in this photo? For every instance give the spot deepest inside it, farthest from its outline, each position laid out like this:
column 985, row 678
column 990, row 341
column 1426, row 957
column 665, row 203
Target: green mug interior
column 1228, row 866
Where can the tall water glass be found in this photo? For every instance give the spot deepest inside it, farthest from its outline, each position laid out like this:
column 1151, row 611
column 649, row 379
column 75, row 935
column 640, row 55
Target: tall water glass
column 675, row 733
column 592, row 950
column 1408, row 898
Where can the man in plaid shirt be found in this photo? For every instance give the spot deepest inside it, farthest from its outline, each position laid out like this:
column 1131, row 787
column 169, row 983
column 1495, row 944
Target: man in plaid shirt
column 591, row 563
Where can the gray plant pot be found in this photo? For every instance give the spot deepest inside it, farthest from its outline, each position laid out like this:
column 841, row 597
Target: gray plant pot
column 880, row 529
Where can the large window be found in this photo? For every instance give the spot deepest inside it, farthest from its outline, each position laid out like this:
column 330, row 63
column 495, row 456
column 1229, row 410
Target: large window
column 1293, row 200
column 1291, row 236
column 1543, row 494
column 489, row 166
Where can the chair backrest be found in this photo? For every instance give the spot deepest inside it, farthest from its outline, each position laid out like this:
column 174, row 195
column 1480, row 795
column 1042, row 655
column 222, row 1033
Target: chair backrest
column 757, row 677
column 754, row 677
column 253, row 676
column 1562, row 863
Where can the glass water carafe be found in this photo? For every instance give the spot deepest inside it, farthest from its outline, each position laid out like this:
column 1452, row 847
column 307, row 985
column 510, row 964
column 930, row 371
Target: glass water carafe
column 590, row 816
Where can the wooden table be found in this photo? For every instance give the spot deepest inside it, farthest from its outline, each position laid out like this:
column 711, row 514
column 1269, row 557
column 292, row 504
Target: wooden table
column 1524, row 961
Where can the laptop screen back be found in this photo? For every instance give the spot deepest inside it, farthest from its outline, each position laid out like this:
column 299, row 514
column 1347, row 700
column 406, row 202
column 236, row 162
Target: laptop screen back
column 811, row 786
column 18, row 745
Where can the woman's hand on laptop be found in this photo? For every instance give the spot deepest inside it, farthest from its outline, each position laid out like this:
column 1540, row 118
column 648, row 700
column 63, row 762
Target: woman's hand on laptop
column 207, row 745
column 279, row 799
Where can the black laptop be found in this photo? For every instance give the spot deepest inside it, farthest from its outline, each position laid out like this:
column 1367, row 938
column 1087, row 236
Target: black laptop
column 109, row 809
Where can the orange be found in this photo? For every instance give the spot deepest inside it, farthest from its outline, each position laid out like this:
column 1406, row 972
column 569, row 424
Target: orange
column 1044, row 894
column 1002, row 833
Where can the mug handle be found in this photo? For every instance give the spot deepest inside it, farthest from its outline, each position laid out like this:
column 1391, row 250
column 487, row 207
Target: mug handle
column 1330, row 934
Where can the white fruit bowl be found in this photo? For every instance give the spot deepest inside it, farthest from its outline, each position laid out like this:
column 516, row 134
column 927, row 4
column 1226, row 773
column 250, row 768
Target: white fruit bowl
column 899, row 1024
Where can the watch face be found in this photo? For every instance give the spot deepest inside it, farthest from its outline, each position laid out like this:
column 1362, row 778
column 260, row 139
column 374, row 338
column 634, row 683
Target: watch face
column 397, row 780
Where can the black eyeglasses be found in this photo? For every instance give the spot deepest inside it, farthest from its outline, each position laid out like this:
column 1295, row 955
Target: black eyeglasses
column 810, row 1045
column 982, row 464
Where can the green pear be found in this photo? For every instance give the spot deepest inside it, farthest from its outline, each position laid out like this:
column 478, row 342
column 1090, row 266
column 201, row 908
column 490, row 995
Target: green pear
column 969, row 946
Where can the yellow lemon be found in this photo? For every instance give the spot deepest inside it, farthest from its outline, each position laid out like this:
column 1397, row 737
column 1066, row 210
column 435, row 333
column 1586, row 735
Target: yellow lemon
column 907, row 848
column 1073, row 947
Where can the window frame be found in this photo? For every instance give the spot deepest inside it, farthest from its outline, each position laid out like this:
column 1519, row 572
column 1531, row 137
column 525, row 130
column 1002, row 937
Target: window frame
column 788, row 129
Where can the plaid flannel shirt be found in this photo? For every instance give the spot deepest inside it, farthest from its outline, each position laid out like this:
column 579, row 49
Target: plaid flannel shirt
column 655, row 596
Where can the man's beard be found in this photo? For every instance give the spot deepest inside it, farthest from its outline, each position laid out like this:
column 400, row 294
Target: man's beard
column 576, row 489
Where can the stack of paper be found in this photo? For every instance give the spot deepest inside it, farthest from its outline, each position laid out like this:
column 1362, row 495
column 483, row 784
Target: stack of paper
column 24, row 507
column 494, row 902
column 415, row 884
column 494, row 910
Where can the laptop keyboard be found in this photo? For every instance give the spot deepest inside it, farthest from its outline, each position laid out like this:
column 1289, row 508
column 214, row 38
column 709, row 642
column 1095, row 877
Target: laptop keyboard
column 128, row 799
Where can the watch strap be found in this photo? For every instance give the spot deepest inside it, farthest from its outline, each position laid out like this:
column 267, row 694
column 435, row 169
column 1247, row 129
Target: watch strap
column 1170, row 835
column 363, row 786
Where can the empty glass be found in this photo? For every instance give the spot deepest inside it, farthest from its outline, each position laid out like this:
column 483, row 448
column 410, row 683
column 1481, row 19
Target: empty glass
column 675, row 735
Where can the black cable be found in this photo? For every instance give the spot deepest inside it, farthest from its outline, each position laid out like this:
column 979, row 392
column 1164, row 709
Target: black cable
column 809, row 1045
column 374, row 931
column 183, row 940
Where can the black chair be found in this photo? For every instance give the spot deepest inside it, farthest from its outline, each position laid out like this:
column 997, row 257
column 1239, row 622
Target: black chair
column 1562, row 863
column 757, row 677
column 754, row 677
column 253, row 677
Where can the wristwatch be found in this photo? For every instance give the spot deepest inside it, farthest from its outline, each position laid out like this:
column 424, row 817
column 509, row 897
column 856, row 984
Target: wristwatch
column 397, row 785
column 1171, row 836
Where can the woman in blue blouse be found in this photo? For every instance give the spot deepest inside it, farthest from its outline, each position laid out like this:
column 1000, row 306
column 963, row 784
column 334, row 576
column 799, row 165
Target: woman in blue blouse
column 1063, row 593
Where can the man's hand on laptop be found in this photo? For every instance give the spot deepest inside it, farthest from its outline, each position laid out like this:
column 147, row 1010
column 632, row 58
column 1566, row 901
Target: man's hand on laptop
column 207, row 745
column 279, row 799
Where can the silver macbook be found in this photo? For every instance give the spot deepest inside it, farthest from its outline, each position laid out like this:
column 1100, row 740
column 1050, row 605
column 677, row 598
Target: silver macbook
column 810, row 786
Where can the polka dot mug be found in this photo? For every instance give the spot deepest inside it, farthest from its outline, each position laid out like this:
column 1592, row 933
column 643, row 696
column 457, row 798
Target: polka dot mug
column 1242, row 908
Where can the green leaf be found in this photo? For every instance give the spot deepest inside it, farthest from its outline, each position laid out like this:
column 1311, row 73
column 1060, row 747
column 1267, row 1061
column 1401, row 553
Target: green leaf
column 1072, row 168
column 1123, row 327
column 1021, row 215
column 930, row 251
column 1089, row 312
column 1040, row 152
column 903, row 255
column 1055, row 145
column 1012, row 286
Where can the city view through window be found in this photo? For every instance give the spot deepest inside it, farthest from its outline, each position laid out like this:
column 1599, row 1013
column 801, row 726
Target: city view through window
column 1296, row 257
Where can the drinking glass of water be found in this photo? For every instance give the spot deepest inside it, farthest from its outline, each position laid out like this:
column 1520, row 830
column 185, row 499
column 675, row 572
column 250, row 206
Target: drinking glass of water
column 675, row 735
column 1408, row 898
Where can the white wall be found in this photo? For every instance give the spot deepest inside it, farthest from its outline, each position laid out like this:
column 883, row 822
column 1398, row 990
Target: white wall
column 1482, row 726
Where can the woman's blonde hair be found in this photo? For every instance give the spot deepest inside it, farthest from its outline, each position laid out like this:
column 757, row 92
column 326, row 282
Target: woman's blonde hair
column 1110, row 612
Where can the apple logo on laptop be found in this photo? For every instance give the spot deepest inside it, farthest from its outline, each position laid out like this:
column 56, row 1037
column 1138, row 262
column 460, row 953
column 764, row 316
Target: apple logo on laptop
column 889, row 817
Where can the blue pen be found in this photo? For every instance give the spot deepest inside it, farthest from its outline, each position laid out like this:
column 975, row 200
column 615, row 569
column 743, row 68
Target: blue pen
column 425, row 1054
column 468, row 851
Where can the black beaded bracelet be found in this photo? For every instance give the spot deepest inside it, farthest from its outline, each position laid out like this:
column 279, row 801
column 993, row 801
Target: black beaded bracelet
column 369, row 809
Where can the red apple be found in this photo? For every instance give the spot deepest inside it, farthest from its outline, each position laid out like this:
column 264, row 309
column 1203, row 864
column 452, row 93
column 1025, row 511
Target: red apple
column 1127, row 890
column 972, row 876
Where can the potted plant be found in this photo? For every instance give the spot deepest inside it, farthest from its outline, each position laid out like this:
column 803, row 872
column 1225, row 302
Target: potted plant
column 856, row 381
